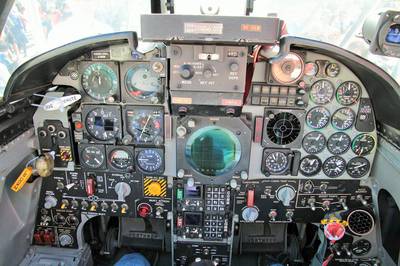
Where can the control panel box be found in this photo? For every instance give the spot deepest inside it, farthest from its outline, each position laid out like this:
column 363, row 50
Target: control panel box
column 215, row 73
column 289, row 200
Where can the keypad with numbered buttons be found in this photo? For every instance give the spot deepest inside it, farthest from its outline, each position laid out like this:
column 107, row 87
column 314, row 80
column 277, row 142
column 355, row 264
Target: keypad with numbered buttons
column 216, row 199
column 215, row 226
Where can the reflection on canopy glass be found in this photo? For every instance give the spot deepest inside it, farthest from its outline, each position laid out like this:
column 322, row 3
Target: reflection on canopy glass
column 213, row 151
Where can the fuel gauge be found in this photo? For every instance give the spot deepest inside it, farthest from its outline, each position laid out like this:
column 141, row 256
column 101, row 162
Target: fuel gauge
column 358, row 167
column 310, row 165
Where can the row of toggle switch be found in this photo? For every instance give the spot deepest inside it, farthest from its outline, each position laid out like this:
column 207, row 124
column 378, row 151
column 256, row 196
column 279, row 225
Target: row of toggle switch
column 51, row 202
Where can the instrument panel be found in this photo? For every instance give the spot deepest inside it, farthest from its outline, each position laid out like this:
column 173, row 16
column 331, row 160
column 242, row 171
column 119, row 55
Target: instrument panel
column 298, row 150
column 323, row 117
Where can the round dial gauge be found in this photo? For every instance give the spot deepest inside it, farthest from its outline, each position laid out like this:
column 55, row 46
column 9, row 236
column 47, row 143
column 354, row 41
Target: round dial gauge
column 343, row 118
column 363, row 144
column 103, row 123
column 289, row 69
column 332, row 70
column 318, row 117
column 145, row 125
column 99, row 81
column 348, row 93
column 339, row 143
column 142, row 83
column 149, row 160
column 120, row 159
column 310, row 69
column 322, row 91
column 92, row 156
column 358, row 167
column 334, row 166
column 361, row 247
column 310, row 165
column 276, row 162
column 314, row 142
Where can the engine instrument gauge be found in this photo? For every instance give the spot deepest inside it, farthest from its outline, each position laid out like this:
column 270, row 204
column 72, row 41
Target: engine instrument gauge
column 310, row 165
column 276, row 162
column 358, row 167
column 92, row 156
column 322, row 91
column 289, row 69
column 361, row 247
column 343, row 118
column 103, row 123
column 99, row 81
column 348, row 93
column 338, row 143
column 314, row 142
column 334, row 166
column 120, row 159
column 318, row 117
column 311, row 69
column 332, row 70
column 145, row 125
column 363, row 144
column 150, row 160
column 142, row 82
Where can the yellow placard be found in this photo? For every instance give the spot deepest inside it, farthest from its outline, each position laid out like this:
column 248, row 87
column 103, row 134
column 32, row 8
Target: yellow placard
column 21, row 180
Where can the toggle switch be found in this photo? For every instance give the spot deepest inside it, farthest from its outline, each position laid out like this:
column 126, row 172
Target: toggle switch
column 93, row 206
column 64, row 204
column 250, row 198
column 90, row 186
column 124, row 208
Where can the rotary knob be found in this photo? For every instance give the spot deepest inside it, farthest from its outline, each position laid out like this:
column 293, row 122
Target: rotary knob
column 250, row 214
column 65, row 240
column 285, row 194
column 50, row 202
column 123, row 190
column 186, row 71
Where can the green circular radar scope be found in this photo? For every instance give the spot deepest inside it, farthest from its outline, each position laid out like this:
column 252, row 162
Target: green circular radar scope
column 213, row 150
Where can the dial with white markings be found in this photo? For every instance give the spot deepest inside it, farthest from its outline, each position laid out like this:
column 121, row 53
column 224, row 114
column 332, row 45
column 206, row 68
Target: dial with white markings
column 334, row 166
column 339, row 143
column 314, row 142
column 322, row 91
column 92, row 156
column 343, row 118
column 276, row 162
column 103, row 123
column 358, row 167
column 348, row 93
column 310, row 165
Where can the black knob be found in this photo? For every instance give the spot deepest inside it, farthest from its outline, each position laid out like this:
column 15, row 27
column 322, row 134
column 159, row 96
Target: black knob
column 186, row 71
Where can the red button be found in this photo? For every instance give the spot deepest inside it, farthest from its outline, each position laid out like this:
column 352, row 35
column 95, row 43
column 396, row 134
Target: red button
column 334, row 231
column 38, row 237
column 250, row 198
column 48, row 238
column 144, row 210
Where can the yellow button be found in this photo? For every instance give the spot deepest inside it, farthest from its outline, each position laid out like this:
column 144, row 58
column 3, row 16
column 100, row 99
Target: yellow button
column 154, row 188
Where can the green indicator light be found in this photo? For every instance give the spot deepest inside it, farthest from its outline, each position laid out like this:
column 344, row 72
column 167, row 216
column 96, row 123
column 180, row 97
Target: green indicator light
column 179, row 194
